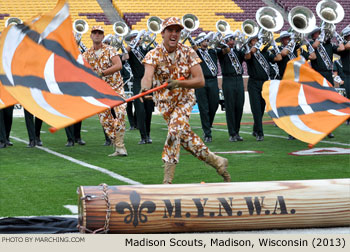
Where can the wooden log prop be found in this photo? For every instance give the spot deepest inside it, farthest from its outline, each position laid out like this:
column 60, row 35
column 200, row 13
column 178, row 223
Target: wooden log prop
column 214, row 207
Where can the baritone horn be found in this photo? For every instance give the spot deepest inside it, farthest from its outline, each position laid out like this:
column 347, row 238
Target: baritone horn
column 250, row 27
column 331, row 13
column 301, row 19
column 80, row 26
column 222, row 26
column 270, row 20
column 190, row 23
column 120, row 29
column 13, row 21
column 154, row 26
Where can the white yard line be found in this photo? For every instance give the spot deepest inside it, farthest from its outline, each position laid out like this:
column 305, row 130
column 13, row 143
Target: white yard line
column 79, row 162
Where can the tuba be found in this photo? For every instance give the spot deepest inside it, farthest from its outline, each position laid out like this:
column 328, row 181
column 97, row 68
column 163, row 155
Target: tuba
column 302, row 22
column 270, row 20
column 13, row 21
column 331, row 13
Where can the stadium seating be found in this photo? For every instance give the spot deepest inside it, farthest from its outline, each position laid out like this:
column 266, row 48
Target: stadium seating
column 89, row 10
column 135, row 13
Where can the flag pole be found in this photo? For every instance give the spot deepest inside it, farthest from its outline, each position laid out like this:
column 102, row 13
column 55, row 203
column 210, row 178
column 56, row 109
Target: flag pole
column 149, row 91
column 53, row 130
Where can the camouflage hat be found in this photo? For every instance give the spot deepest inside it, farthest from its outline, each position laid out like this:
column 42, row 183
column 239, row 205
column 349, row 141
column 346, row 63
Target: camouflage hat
column 171, row 21
column 97, row 28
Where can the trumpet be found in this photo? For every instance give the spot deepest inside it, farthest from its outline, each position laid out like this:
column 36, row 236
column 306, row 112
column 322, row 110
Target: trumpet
column 331, row 13
column 270, row 20
column 13, row 21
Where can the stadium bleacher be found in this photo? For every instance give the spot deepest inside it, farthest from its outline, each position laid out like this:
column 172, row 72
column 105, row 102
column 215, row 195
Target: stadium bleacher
column 89, row 10
column 135, row 13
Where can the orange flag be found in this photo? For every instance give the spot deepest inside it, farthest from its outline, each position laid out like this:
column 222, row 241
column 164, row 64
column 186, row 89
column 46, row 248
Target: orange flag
column 304, row 103
column 43, row 70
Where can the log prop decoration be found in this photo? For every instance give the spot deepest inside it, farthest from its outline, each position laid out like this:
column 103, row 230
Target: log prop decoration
column 214, row 207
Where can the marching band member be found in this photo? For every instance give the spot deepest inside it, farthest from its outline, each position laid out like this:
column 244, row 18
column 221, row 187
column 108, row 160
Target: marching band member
column 231, row 61
column 345, row 62
column 144, row 107
column 207, row 96
column 259, row 71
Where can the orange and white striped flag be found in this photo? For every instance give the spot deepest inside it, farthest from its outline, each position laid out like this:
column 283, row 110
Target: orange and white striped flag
column 6, row 99
column 42, row 68
column 304, row 103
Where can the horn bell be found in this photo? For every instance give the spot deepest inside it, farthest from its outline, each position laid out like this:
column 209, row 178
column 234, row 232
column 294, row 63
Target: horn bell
column 120, row 28
column 190, row 22
column 222, row 26
column 269, row 19
column 80, row 26
column 301, row 19
column 13, row 21
column 330, row 11
column 154, row 24
column 250, row 27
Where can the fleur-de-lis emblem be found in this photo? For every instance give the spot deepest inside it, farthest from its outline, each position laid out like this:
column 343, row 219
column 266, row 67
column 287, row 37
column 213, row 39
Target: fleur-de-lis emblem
column 135, row 209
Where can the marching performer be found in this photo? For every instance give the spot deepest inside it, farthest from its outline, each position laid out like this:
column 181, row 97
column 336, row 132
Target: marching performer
column 105, row 61
column 259, row 71
column 166, row 63
column 231, row 61
column 345, row 62
column 207, row 96
column 143, row 108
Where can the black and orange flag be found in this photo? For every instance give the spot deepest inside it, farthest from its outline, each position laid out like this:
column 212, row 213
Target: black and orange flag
column 304, row 103
column 6, row 99
column 41, row 67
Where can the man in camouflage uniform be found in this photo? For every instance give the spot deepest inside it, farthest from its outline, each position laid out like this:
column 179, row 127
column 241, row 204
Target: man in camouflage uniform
column 106, row 62
column 166, row 63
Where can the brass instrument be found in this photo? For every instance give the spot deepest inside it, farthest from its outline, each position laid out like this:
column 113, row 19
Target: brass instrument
column 190, row 23
column 331, row 13
column 80, row 27
column 302, row 22
column 222, row 28
column 121, row 30
column 250, row 28
column 13, row 21
column 270, row 20
column 154, row 26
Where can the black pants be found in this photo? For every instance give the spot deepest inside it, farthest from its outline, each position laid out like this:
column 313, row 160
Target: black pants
column 131, row 114
column 257, row 104
column 33, row 127
column 347, row 84
column 6, row 116
column 143, row 111
column 208, row 103
column 73, row 132
column 233, row 90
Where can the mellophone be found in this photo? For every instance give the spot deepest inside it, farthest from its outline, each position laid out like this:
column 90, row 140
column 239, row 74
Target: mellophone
column 214, row 207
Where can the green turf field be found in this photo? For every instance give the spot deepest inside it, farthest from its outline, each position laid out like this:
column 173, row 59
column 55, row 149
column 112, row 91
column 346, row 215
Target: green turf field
column 34, row 182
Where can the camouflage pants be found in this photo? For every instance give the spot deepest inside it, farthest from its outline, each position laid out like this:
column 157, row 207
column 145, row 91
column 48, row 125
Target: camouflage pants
column 180, row 134
column 113, row 125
